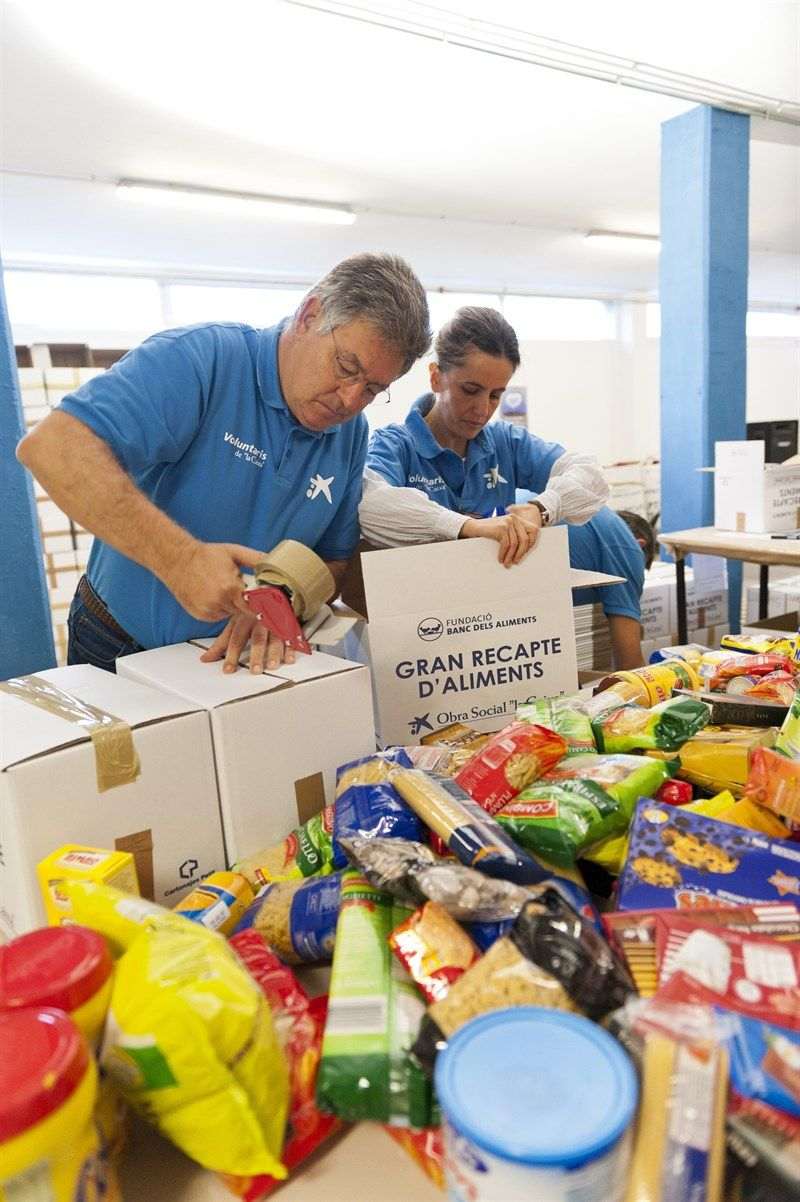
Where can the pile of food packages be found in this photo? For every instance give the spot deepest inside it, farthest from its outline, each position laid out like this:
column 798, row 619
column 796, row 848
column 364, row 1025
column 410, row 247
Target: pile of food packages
column 565, row 963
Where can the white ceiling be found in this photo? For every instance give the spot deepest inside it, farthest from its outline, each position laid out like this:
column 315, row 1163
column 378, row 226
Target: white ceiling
column 485, row 172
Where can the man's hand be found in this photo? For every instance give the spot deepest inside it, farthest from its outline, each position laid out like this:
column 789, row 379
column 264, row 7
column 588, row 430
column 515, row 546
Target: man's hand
column 516, row 533
column 204, row 578
column 266, row 649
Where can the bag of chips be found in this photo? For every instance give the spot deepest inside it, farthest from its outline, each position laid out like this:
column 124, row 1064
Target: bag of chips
column 584, row 800
column 434, row 949
column 307, row 851
column 368, row 805
column 508, row 763
column 565, row 717
column 774, row 782
column 751, row 665
column 775, row 686
column 666, row 726
column 297, row 918
column 551, row 957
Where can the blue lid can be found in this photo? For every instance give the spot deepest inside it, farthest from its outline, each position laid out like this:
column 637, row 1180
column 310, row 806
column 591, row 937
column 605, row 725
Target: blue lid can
column 537, row 1104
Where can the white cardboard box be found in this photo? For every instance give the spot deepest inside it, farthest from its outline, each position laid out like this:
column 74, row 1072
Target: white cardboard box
column 49, row 796
column 784, row 598
column 278, row 737
column 752, row 496
column 456, row 637
column 657, row 602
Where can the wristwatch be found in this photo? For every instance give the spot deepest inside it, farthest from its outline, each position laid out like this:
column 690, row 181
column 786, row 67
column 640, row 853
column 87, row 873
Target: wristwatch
column 544, row 512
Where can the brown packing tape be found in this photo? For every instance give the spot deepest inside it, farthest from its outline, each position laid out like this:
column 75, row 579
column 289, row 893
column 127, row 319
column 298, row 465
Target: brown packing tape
column 115, row 757
column 140, row 846
column 297, row 567
column 741, row 523
column 309, row 794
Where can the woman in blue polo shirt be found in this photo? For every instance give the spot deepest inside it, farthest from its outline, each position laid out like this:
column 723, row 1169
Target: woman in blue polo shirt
column 448, row 472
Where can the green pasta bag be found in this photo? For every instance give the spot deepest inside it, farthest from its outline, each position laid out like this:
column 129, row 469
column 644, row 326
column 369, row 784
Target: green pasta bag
column 580, row 802
column 563, row 716
column 665, row 727
column 374, row 1013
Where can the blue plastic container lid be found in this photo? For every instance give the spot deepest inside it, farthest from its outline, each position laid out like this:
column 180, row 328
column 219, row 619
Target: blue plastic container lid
column 537, row 1086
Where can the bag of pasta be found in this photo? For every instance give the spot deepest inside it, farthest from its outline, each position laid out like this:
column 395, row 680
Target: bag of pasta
column 665, row 727
column 565, row 717
column 307, row 851
column 367, row 804
column 509, row 762
column 297, row 918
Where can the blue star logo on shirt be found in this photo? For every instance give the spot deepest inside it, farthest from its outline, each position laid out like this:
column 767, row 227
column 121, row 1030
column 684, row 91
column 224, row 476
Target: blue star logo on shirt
column 493, row 477
column 320, row 486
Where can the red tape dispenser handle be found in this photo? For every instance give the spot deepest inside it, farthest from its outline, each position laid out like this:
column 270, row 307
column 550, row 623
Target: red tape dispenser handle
column 273, row 609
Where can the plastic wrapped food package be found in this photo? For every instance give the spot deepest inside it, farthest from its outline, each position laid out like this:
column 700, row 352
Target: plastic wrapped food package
column 565, row 716
column 774, row 782
column 297, row 918
column 367, row 803
column 665, row 727
column 433, row 949
column 307, row 851
column 508, row 763
column 718, row 758
column 788, row 741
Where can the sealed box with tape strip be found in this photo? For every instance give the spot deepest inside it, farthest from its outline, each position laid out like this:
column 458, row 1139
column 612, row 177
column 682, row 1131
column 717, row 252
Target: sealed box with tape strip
column 89, row 757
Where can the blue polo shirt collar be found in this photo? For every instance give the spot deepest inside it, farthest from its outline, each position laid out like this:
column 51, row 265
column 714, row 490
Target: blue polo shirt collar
column 269, row 381
column 426, row 446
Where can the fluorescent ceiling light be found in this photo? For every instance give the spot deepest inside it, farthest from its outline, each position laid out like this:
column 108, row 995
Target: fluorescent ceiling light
column 247, row 204
column 614, row 237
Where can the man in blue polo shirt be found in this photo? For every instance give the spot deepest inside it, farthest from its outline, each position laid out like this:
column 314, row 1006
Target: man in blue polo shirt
column 205, row 447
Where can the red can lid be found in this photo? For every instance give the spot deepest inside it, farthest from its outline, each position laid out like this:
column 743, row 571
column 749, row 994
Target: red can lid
column 43, row 1058
column 54, row 966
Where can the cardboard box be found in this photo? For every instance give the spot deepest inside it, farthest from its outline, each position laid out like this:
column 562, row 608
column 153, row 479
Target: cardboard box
column 783, row 598
column 454, row 636
column 278, row 737
column 752, row 496
column 657, row 601
column 168, row 818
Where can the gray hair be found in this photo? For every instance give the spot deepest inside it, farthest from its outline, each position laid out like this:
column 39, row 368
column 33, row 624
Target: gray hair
column 383, row 290
column 475, row 328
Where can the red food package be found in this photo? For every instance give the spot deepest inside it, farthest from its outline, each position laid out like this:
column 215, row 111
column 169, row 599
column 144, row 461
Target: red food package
column 751, row 665
column 424, row 1146
column 509, row 762
column 434, row 949
column 754, row 975
column 776, row 686
column 675, row 792
column 774, row 781
column 299, row 1022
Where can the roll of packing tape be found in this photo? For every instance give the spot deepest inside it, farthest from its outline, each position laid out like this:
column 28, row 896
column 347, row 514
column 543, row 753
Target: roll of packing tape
column 295, row 567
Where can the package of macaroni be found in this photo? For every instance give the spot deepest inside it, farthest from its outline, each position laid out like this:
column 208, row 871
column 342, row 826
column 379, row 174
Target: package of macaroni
column 307, row 851
column 299, row 1023
column 191, row 1045
column 469, row 832
column 679, row 1143
column 551, row 957
column 788, row 741
column 583, row 800
column 367, row 804
column 774, row 782
column 374, row 1012
column 434, row 950
column 297, row 918
column 565, row 717
column 665, row 727
column 510, row 761
column 682, row 860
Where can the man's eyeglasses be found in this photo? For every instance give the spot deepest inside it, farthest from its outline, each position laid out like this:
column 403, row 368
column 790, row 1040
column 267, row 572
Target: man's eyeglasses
column 350, row 371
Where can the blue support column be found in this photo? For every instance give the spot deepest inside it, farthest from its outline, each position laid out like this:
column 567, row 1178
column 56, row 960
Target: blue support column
column 26, row 635
column 703, row 293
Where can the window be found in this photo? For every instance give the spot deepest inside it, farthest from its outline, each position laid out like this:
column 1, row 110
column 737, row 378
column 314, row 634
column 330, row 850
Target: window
column 192, row 303
column 544, row 318
column 55, row 306
column 652, row 321
column 442, row 305
column 761, row 323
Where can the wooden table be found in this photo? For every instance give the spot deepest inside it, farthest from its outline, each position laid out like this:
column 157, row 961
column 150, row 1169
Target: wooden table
column 751, row 548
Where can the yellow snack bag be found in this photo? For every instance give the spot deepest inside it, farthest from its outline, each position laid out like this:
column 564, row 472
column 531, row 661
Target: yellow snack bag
column 119, row 916
column 754, row 817
column 719, row 757
column 190, row 1044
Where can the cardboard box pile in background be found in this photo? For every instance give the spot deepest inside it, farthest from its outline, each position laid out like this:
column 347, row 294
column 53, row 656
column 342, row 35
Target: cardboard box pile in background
column 750, row 495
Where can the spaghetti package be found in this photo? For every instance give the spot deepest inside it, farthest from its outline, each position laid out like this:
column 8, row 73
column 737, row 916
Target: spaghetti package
column 665, row 727
column 307, row 851
column 469, row 832
column 719, row 758
column 374, row 1012
column 368, row 805
column 582, row 801
column 551, row 957
column 190, row 1044
column 565, row 717
column 679, row 1147
column 774, row 782
column 299, row 1023
column 297, row 918
column 508, row 763
column 788, row 741
column 434, row 950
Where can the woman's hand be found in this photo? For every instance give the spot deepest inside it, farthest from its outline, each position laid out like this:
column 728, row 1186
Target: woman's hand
column 515, row 532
